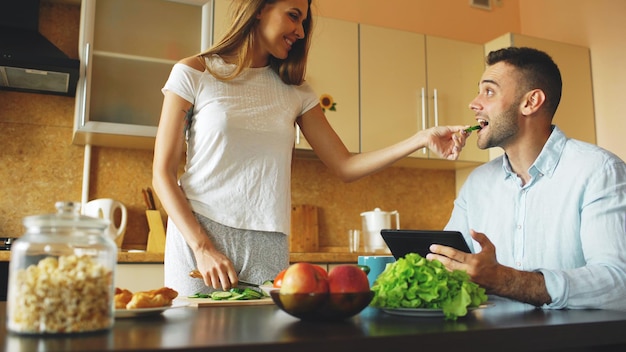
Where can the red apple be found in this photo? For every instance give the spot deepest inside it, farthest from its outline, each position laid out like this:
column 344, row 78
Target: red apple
column 278, row 280
column 347, row 278
column 304, row 278
column 304, row 288
column 321, row 270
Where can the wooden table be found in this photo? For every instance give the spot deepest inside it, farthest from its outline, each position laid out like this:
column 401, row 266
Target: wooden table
column 504, row 326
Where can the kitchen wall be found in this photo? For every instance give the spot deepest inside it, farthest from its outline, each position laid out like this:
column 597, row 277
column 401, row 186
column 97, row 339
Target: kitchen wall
column 454, row 19
column 39, row 165
column 422, row 197
column 600, row 26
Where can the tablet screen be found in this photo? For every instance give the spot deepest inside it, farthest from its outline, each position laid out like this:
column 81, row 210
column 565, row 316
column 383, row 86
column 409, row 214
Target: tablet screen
column 401, row 242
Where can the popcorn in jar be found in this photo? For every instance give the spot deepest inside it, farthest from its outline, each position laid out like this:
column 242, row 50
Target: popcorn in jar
column 61, row 275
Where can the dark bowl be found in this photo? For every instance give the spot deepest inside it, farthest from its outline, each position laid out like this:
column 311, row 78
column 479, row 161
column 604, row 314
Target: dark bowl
column 322, row 306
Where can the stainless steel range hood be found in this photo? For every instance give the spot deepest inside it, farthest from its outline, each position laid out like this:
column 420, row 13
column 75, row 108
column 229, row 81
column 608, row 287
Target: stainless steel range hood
column 28, row 61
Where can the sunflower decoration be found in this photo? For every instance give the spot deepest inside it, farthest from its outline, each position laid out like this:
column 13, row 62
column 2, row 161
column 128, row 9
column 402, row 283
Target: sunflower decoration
column 327, row 102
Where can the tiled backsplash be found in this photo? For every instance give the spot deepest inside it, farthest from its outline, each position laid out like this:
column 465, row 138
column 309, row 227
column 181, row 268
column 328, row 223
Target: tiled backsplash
column 423, row 197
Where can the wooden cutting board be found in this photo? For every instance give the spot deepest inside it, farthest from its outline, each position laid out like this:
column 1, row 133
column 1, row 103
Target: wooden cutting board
column 304, row 229
column 208, row 302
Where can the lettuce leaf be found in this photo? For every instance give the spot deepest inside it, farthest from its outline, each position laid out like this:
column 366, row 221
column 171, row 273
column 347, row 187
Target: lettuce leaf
column 415, row 282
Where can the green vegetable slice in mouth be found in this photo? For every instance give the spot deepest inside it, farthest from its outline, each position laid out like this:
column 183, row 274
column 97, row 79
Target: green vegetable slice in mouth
column 473, row 128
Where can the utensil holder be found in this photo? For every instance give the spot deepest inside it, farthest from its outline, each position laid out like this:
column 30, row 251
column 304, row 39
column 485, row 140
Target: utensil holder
column 156, row 236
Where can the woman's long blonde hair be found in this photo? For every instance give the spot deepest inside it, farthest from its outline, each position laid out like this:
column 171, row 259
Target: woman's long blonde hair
column 239, row 39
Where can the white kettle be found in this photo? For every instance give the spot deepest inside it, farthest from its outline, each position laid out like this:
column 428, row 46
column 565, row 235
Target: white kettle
column 373, row 222
column 106, row 208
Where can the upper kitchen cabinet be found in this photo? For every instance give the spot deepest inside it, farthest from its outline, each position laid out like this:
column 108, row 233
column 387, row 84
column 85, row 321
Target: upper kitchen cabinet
column 575, row 114
column 127, row 51
column 393, row 76
column 453, row 71
column 333, row 70
column 221, row 19
column 422, row 82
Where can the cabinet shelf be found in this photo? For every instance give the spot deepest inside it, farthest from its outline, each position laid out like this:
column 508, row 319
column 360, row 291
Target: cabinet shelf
column 128, row 49
column 116, row 135
column 139, row 58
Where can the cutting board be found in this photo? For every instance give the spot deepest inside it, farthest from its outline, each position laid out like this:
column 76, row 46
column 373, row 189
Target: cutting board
column 304, row 229
column 208, row 302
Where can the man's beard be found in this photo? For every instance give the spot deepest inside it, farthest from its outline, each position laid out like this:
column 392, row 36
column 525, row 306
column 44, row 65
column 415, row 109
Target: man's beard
column 501, row 129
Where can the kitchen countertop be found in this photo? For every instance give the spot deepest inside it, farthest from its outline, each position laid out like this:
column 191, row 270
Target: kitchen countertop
column 505, row 325
column 332, row 256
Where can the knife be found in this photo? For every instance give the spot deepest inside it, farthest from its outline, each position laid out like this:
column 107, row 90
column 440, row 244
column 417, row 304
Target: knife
column 146, row 199
column 197, row 275
column 151, row 199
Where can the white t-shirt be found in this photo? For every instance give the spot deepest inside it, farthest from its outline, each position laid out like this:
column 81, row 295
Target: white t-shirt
column 238, row 168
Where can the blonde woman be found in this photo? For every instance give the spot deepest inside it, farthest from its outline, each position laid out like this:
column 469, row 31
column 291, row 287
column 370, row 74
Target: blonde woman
column 232, row 110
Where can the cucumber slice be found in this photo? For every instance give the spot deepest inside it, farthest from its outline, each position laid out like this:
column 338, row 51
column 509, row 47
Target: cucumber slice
column 218, row 295
column 268, row 283
column 237, row 297
column 199, row 295
column 252, row 294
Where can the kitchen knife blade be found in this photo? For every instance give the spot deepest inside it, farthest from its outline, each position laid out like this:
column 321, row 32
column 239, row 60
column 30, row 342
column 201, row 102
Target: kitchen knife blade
column 197, row 275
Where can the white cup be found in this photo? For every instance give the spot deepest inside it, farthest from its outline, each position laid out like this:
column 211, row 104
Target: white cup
column 106, row 208
column 354, row 240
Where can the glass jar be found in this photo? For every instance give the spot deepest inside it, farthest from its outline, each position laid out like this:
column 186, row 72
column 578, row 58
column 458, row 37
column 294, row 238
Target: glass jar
column 61, row 274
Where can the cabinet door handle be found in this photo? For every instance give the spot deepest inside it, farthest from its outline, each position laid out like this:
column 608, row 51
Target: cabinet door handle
column 435, row 107
column 297, row 134
column 423, row 113
column 83, row 116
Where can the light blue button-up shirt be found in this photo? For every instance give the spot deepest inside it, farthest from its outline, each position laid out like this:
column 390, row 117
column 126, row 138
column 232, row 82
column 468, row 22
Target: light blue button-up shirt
column 568, row 222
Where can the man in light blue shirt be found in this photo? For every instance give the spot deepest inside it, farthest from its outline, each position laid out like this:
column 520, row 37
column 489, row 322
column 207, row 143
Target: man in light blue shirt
column 547, row 220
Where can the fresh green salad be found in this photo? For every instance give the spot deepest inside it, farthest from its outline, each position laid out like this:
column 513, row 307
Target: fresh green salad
column 415, row 282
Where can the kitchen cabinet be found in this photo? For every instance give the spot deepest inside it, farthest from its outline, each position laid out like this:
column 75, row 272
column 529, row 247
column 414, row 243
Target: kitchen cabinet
column 392, row 68
column 127, row 49
column 139, row 277
column 423, row 82
column 221, row 18
column 453, row 71
column 575, row 114
column 333, row 69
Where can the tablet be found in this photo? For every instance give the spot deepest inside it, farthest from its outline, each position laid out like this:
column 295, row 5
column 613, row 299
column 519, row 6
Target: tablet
column 401, row 242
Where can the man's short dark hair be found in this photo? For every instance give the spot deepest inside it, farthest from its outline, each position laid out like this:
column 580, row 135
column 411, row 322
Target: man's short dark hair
column 538, row 71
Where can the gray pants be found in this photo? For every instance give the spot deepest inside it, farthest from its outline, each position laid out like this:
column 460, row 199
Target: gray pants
column 256, row 255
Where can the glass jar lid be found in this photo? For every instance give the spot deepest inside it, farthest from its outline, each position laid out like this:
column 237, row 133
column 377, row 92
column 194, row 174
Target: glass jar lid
column 67, row 216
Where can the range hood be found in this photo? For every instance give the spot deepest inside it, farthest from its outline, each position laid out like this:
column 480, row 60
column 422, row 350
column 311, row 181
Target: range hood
column 28, row 61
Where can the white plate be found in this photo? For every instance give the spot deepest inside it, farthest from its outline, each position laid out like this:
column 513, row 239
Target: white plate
column 424, row 312
column 142, row 312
